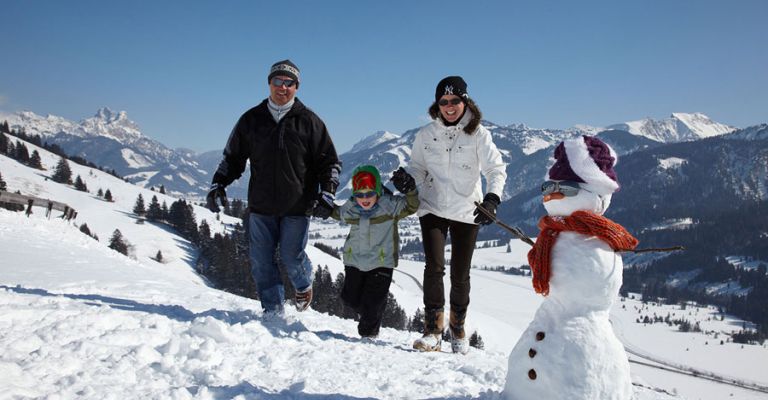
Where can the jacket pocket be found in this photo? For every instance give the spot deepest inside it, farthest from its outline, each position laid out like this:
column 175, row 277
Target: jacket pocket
column 466, row 169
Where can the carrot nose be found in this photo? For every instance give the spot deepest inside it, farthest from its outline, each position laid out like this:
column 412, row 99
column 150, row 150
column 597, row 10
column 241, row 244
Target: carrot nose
column 553, row 196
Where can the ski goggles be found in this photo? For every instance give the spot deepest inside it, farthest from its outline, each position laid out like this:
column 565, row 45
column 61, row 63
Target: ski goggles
column 364, row 195
column 567, row 188
column 277, row 82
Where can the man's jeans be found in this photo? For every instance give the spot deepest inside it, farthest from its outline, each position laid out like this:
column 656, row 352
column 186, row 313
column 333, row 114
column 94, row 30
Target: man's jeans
column 290, row 232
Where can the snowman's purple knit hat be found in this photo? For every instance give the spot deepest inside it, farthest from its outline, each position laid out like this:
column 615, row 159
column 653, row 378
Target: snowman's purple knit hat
column 587, row 160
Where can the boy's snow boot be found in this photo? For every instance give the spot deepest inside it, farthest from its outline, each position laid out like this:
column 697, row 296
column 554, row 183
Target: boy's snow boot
column 459, row 342
column 303, row 299
column 433, row 331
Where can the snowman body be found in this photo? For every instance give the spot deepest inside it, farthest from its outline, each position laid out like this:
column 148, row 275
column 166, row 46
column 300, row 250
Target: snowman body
column 569, row 351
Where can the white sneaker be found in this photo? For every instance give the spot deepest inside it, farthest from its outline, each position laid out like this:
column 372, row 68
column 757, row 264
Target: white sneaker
column 460, row 346
column 429, row 342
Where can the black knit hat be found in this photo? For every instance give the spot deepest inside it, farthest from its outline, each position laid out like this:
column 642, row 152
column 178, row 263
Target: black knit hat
column 454, row 85
column 284, row 68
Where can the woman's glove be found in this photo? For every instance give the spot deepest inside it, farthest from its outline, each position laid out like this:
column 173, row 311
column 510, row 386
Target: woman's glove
column 490, row 202
column 403, row 181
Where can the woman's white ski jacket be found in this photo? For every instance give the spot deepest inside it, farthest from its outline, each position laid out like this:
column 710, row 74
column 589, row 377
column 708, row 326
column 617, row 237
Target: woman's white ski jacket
column 447, row 164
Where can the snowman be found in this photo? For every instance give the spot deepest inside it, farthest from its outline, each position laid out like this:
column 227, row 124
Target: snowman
column 569, row 351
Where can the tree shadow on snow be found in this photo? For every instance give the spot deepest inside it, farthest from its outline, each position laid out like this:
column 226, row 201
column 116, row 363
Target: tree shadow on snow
column 279, row 326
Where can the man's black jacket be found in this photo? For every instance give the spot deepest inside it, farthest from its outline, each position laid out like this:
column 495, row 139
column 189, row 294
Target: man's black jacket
column 290, row 160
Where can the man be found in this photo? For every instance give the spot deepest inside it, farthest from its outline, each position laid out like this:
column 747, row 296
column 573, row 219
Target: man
column 294, row 174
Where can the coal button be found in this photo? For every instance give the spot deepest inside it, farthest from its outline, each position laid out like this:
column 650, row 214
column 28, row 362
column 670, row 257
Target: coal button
column 539, row 336
column 532, row 374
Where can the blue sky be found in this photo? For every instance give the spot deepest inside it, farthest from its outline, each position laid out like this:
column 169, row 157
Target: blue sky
column 186, row 70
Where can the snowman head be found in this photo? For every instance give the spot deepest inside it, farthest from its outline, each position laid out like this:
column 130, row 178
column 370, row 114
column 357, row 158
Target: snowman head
column 582, row 177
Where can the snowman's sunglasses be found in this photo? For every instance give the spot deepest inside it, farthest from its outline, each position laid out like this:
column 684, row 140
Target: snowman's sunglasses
column 567, row 188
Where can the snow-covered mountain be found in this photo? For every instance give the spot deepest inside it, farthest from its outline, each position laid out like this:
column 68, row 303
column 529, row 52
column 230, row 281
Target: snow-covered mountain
column 518, row 142
column 679, row 127
column 111, row 140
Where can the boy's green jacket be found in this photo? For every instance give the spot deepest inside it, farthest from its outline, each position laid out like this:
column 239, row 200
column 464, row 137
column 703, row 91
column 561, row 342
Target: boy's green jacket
column 373, row 240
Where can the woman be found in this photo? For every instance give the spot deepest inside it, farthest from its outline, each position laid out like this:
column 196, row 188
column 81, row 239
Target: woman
column 448, row 157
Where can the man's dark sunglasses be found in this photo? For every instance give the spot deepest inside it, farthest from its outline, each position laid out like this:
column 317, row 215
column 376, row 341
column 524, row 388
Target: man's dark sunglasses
column 567, row 188
column 277, row 82
column 454, row 101
column 364, row 195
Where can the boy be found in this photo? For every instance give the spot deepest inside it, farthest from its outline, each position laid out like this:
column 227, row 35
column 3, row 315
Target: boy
column 372, row 246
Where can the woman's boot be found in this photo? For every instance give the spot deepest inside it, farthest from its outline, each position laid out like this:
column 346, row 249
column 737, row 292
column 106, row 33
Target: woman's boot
column 433, row 331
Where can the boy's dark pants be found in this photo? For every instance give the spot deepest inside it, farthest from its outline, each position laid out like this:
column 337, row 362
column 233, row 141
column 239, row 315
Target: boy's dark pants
column 366, row 292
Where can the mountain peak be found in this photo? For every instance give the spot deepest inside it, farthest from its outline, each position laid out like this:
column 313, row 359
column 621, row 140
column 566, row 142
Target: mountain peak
column 106, row 114
column 679, row 127
column 373, row 140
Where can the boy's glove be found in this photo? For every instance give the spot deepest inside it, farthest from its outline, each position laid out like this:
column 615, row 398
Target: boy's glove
column 490, row 202
column 323, row 205
column 403, row 181
column 217, row 193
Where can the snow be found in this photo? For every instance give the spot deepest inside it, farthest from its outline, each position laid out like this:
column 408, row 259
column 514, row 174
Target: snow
column 134, row 159
column 535, row 144
column 672, row 224
column 744, row 262
column 676, row 128
column 373, row 140
column 78, row 320
column 702, row 124
column 672, row 162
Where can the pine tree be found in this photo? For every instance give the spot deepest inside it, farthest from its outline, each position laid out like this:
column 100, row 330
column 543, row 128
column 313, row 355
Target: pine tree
column 138, row 207
column 162, row 189
column 154, row 213
column 2, row 183
column 62, row 173
column 417, row 322
column 476, row 341
column 3, row 143
column 80, row 184
column 35, row 161
column 159, row 256
column 84, row 228
column 509, row 248
column 10, row 151
column 4, row 128
column 204, row 232
column 100, row 193
column 108, row 196
column 117, row 243
column 22, row 154
column 394, row 316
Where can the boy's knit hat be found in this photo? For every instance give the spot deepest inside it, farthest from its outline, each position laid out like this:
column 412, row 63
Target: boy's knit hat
column 588, row 160
column 366, row 177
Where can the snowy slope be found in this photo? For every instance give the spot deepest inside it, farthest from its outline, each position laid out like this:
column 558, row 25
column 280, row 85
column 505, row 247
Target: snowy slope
column 80, row 320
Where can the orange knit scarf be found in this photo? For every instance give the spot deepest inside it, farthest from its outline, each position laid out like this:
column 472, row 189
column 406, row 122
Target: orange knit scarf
column 584, row 222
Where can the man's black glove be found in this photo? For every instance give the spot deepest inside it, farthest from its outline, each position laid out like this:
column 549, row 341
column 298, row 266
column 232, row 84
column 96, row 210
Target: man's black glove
column 217, row 193
column 323, row 205
column 403, row 181
column 490, row 202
